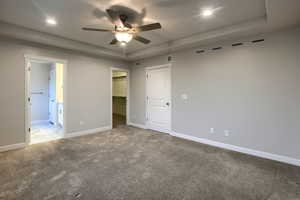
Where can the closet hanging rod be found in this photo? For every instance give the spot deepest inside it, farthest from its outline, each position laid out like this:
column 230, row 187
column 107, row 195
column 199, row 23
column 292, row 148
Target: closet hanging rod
column 37, row 92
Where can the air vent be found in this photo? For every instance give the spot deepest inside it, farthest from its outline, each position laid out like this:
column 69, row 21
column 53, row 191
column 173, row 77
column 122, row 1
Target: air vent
column 256, row 41
column 237, row 44
column 200, row 51
column 216, row 48
column 169, row 58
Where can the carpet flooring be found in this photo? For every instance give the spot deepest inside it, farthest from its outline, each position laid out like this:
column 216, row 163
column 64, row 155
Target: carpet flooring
column 128, row 163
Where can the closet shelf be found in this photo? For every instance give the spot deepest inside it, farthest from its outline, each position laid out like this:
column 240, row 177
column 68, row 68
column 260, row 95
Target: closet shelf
column 116, row 77
column 120, row 96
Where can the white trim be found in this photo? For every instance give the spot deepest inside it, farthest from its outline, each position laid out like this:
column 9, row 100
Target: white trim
column 127, row 96
column 284, row 159
column 39, row 121
column 160, row 130
column 48, row 59
column 27, row 95
column 67, row 135
column 12, row 147
column 189, row 42
column 137, row 125
column 168, row 65
column 48, row 140
column 65, row 97
column 28, row 58
column 159, row 66
column 87, row 132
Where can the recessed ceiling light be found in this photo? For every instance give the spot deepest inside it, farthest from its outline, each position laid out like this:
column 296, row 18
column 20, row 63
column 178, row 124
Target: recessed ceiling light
column 51, row 21
column 207, row 12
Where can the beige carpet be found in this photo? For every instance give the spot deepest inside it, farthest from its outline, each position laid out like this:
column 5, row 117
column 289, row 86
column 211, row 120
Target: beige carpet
column 134, row 164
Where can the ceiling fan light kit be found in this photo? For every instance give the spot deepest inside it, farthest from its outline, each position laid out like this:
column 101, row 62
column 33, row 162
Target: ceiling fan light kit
column 123, row 37
column 124, row 32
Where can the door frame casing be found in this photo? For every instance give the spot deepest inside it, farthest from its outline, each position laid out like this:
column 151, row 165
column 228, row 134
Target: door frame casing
column 28, row 59
column 50, row 110
column 147, row 69
column 127, row 94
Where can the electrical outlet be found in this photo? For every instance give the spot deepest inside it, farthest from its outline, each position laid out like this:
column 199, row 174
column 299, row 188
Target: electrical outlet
column 226, row 133
column 212, row 130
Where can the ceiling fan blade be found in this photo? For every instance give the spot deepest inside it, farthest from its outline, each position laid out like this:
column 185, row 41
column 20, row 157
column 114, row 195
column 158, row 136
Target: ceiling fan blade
column 119, row 20
column 123, row 19
column 114, row 17
column 114, row 41
column 95, row 29
column 112, row 14
column 149, row 27
column 127, row 25
column 141, row 39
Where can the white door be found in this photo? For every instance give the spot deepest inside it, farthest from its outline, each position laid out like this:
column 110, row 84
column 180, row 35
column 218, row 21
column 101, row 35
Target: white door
column 52, row 97
column 158, row 89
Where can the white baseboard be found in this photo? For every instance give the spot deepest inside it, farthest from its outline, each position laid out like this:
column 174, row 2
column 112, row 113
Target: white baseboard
column 261, row 154
column 87, row 132
column 39, row 121
column 12, row 147
column 67, row 135
column 137, row 125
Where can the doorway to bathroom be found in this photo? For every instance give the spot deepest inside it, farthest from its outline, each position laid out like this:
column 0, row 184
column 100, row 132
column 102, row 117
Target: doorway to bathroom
column 45, row 99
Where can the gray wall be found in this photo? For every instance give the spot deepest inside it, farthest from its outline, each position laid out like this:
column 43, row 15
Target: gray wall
column 88, row 85
column 138, row 93
column 39, row 78
column 252, row 90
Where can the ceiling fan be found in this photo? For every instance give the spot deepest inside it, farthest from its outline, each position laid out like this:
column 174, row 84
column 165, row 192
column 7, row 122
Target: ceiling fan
column 124, row 32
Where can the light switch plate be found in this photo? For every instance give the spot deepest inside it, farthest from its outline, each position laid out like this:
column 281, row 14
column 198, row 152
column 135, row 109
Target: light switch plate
column 184, row 96
column 226, row 133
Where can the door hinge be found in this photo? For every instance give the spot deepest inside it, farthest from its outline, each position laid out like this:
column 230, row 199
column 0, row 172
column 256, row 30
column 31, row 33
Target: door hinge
column 29, row 129
column 147, row 76
column 29, row 69
column 29, row 99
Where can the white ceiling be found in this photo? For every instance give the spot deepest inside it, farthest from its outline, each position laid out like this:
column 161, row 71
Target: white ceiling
column 180, row 19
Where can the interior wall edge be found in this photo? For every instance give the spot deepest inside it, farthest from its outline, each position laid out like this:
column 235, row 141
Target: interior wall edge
column 67, row 135
column 12, row 147
column 223, row 42
column 26, row 34
column 87, row 132
column 260, row 154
